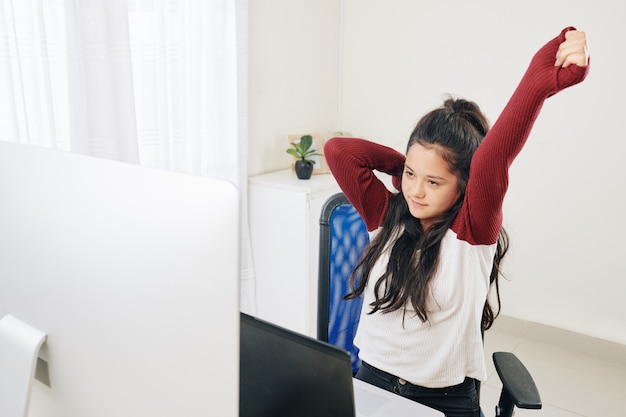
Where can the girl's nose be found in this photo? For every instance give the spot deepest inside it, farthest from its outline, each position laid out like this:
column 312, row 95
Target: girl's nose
column 418, row 189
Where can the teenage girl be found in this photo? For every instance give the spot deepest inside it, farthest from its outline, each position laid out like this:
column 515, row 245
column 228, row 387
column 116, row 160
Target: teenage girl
column 436, row 245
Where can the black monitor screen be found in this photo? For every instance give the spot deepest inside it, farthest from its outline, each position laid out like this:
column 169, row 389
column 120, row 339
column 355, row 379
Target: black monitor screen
column 283, row 373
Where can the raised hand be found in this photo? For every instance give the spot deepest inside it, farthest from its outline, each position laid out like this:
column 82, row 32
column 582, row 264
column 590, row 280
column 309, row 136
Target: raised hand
column 573, row 51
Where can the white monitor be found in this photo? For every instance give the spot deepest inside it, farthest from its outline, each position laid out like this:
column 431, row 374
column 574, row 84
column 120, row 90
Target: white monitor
column 132, row 273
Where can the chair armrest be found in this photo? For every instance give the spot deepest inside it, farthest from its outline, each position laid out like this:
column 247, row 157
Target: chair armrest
column 517, row 382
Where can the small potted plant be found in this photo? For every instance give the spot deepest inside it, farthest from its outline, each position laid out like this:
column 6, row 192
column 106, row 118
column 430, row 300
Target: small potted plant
column 302, row 151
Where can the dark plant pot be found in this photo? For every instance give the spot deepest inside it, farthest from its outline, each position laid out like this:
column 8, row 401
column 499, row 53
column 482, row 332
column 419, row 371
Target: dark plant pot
column 304, row 170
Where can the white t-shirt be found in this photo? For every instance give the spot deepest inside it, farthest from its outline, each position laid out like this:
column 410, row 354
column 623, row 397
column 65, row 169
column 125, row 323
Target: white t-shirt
column 448, row 347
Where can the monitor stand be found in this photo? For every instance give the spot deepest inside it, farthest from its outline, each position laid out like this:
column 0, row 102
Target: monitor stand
column 19, row 349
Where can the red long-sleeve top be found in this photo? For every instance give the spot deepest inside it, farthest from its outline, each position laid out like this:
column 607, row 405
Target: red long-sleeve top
column 352, row 160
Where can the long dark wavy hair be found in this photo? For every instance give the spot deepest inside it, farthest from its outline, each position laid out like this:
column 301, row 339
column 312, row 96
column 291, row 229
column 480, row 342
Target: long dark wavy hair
column 455, row 129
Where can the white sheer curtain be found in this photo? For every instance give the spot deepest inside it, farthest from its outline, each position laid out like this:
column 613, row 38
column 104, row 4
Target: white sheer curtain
column 160, row 83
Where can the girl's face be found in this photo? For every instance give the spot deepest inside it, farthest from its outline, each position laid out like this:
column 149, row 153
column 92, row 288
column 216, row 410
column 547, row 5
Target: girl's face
column 428, row 186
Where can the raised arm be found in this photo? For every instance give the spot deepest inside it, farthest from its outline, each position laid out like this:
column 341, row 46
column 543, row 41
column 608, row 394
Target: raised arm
column 559, row 64
column 352, row 162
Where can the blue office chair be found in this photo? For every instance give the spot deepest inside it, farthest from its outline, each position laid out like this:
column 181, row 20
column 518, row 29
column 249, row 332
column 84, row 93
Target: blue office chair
column 343, row 237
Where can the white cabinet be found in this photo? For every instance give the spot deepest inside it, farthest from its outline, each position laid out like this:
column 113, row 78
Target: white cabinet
column 284, row 231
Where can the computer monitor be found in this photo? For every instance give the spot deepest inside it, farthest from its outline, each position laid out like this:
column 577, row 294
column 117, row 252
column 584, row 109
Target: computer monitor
column 285, row 373
column 132, row 273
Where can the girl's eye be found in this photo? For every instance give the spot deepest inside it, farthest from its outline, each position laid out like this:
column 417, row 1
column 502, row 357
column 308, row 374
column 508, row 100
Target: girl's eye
column 408, row 173
column 433, row 183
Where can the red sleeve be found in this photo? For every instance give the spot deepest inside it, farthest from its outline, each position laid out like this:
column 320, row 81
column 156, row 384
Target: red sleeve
column 352, row 162
column 480, row 219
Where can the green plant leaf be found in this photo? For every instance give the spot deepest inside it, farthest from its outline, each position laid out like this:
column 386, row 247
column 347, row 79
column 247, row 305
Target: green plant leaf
column 293, row 152
column 302, row 149
column 305, row 142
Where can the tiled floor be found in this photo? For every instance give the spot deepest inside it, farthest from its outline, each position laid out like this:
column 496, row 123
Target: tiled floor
column 575, row 377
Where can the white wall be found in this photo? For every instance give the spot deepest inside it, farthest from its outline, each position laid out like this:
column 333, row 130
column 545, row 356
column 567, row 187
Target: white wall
column 566, row 199
column 293, row 55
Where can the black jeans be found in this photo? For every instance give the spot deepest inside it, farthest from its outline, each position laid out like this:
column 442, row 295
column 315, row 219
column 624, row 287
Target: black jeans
column 455, row 401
